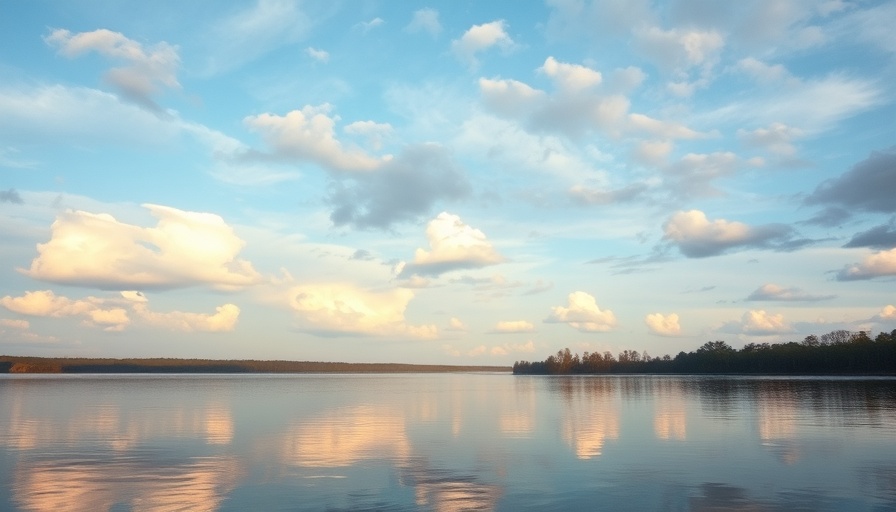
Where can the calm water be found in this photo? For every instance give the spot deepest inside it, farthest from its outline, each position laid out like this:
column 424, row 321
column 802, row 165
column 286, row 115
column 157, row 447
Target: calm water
column 446, row 443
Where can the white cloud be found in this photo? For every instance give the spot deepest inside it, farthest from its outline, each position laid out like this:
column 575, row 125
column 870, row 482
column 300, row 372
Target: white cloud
column 513, row 326
column 21, row 325
column 663, row 325
column 425, row 20
column 372, row 131
column 663, row 129
column 148, row 69
column 761, row 323
column 653, row 152
column 771, row 291
column 887, row 313
column 114, row 314
column 317, row 54
column 509, row 97
column 453, row 245
column 583, row 313
column 698, row 237
column 762, row 72
column 776, row 139
column 367, row 26
column 329, row 309
column 183, row 249
column 509, row 348
column 455, row 324
column 680, row 49
column 480, row 38
column 309, row 134
column 571, row 78
column 879, row 264
column 245, row 35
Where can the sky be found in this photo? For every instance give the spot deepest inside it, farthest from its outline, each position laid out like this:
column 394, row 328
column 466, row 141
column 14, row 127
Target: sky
column 448, row 182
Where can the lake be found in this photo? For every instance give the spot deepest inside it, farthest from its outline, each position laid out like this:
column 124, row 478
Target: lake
column 446, row 442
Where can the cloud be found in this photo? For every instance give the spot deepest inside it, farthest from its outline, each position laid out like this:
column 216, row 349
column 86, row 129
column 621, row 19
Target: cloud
column 761, row 323
column 332, row 309
column 583, row 313
column 508, row 348
column 762, row 72
column 183, row 249
column 372, row 131
column 425, row 20
column 453, row 245
column 570, row 77
column 403, row 189
column 367, row 26
column 513, row 326
column 596, row 196
column 455, row 324
column 317, row 54
column 510, row 98
column 10, row 196
column 663, row 325
column 21, row 325
column 309, row 135
column 147, row 70
column 245, row 35
column 480, row 38
column 771, row 291
column 653, row 152
column 693, row 175
column 117, row 314
column 698, row 237
column 887, row 313
column 878, row 237
column 867, row 186
column 880, row 264
column 776, row 139
column 679, row 49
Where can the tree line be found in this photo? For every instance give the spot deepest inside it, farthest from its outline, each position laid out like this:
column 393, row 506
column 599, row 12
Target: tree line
column 836, row 353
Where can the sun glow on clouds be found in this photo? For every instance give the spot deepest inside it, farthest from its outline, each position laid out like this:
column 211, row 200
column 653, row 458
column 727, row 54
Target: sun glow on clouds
column 183, row 249
column 663, row 325
column 583, row 313
column 453, row 245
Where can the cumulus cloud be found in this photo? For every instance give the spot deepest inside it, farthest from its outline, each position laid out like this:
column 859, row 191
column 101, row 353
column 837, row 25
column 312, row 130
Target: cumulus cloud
column 116, row 314
column 425, row 20
column 183, row 249
column 570, row 77
column 10, row 196
column 887, row 313
column 698, row 237
column 583, row 313
column 879, row 264
column 147, row 70
column 21, row 325
column 309, row 135
column 878, row 237
column 372, row 131
column 513, row 326
column 480, row 38
column 317, row 54
column 456, row 324
column 453, row 245
column 510, row 98
column 867, row 186
column 771, row 291
column 663, row 325
column 761, row 323
column 404, row 189
column 333, row 309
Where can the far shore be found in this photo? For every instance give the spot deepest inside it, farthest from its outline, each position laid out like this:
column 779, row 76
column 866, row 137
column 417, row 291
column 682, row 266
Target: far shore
column 26, row 364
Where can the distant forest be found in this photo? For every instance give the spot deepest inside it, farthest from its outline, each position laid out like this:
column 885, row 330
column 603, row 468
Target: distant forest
column 836, row 353
column 18, row 364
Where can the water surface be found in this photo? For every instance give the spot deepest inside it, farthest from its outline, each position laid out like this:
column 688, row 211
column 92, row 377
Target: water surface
column 446, row 442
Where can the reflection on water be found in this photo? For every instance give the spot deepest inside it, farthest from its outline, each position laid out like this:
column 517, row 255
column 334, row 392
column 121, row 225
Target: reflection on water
column 446, row 443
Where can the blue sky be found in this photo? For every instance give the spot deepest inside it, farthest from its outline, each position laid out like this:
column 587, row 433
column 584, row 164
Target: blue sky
column 454, row 182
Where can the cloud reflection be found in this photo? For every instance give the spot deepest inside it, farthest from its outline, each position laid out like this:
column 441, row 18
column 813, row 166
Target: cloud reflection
column 88, row 484
column 347, row 436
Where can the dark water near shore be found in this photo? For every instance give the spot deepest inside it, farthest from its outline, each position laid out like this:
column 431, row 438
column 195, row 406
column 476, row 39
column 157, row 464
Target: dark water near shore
column 446, row 442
